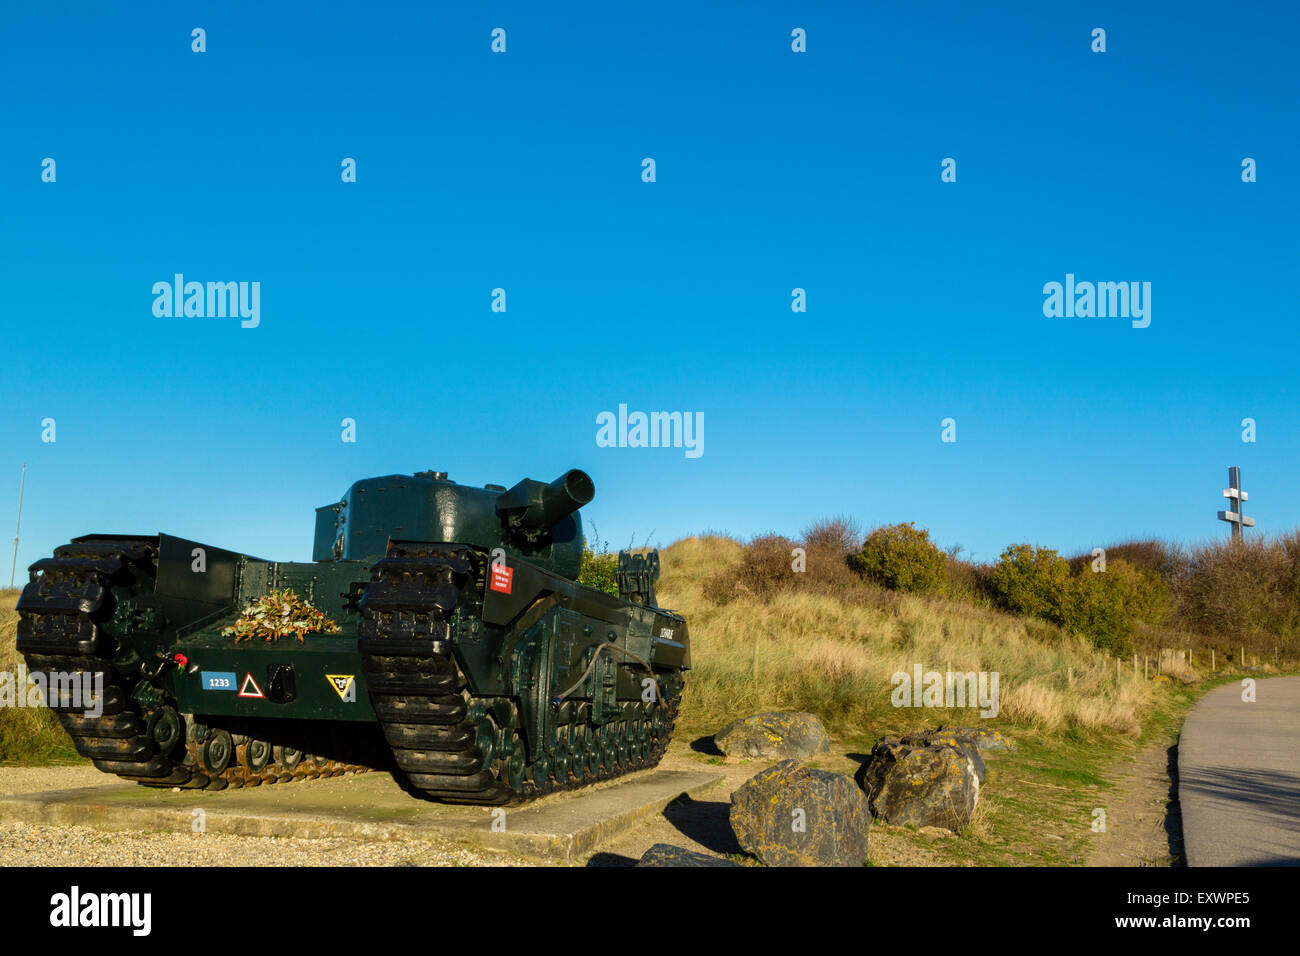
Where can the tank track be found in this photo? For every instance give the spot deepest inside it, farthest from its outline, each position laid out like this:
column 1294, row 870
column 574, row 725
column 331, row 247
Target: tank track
column 450, row 745
column 65, row 615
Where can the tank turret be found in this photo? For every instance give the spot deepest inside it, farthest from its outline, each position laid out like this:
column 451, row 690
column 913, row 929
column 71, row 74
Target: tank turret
column 532, row 520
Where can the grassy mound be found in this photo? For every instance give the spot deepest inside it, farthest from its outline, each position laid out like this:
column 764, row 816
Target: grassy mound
column 831, row 645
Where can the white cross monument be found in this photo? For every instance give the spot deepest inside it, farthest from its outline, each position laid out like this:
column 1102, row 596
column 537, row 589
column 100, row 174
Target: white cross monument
column 1236, row 498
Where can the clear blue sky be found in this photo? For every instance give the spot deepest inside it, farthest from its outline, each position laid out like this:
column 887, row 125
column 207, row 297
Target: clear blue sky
column 775, row 170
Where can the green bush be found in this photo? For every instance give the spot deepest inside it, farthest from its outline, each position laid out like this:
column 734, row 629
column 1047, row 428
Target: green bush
column 1035, row 581
column 598, row 569
column 903, row 558
column 1103, row 606
column 1099, row 606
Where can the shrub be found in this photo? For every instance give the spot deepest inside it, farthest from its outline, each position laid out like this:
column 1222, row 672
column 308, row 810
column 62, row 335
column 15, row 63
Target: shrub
column 1035, row 581
column 1102, row 606
column 1241, row 589
column 829, row 570
column 598, row 568
column 903, row 558
column 1155, row 558
column 1099, row 606
column 765, row 567
column 971, row 582
column 833, row 534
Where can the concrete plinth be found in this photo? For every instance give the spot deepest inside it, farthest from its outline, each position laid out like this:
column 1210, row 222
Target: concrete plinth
column 370, row 806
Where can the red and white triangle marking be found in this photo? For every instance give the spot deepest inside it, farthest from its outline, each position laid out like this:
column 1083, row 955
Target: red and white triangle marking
column 255, row 692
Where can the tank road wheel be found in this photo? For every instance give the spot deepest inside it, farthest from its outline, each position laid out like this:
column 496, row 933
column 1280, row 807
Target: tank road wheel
column 572, row 753
column 512, row 772
column 552, row 752
column 288, row 757
column 540, row 774
column 575, row 745
column 514, row 767
column 589, row 755
column 611, row 758
column 165, row 727
column 560, row 769
column 627, row 753
column 608, row 750
column 591, row 742
column 485, row 741
column 633, row 742
column 216, row 752
column 256, row 756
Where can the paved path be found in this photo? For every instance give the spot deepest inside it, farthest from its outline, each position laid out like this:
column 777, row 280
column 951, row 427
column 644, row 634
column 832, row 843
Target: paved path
column 1239, row 776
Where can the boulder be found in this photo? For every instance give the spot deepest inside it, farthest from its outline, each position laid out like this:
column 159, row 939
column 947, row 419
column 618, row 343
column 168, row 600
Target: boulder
column 778, row 735
column 983, row 738
column 968, row 747
column 792, row 815
column 920, row 786
column 665, row 854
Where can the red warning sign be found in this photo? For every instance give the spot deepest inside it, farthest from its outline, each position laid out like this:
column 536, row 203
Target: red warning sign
column 502, row 578
column 255, row 690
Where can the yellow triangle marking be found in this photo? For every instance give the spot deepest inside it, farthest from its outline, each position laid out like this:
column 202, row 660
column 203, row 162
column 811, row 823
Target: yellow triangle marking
column 340, row 683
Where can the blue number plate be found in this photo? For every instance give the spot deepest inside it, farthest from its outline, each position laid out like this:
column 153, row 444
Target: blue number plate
column 218, row 680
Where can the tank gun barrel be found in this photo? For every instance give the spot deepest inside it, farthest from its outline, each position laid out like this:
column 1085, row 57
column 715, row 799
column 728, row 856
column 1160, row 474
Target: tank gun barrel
column 531, row 507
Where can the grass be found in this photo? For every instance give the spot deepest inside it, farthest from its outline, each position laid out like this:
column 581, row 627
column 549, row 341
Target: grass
column 805, row 649
column 27, row 735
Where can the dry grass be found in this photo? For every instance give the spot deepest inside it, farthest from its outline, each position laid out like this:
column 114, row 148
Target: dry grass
column 26, row 734
column 833, row 654
column 981, row 827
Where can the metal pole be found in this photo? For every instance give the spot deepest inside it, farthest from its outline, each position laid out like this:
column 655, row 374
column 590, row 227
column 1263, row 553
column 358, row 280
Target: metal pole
column 13, row 568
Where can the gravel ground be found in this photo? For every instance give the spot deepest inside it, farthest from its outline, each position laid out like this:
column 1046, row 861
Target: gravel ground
column 23, row 844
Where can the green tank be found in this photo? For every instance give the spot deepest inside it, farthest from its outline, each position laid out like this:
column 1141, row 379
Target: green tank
column 454, row 646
